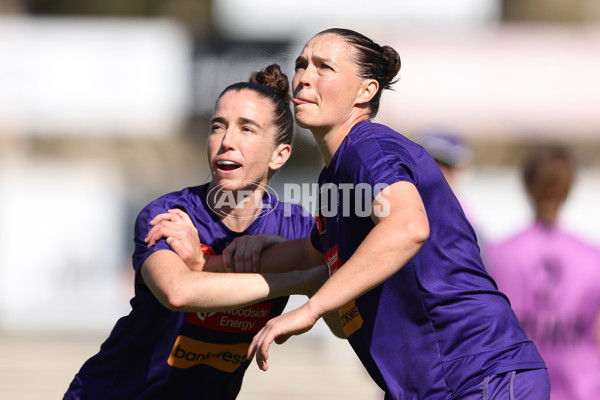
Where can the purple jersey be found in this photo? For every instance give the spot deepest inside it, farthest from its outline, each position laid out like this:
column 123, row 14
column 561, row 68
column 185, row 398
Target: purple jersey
column 552, row 279
column 156, row 353
column 439, row 325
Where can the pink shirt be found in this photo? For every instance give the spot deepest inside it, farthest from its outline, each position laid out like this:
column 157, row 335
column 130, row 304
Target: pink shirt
column 552, row 279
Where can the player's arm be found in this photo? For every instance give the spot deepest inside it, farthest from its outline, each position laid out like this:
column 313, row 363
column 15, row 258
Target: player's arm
column 277, row 256
column 180, row 289
column 270, row 253
column 270, row 259
column 401, row 228
column 267, row 253
column 264, row 253
column 178, row 230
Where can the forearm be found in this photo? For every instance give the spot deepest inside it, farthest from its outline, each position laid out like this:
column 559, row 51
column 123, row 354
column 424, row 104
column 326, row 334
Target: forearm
column 201, row 291
column 268, row 254
column 286, row 256
column 181, row 289
column 283, row 257
column 212, row 264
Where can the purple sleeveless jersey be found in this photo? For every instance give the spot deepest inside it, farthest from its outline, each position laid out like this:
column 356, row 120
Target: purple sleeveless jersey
column 439, row 325
column 155, row 353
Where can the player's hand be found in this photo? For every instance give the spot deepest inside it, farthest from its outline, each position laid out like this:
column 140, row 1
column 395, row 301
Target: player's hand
column 181, row 235
column 243, row 253
column 280, row 329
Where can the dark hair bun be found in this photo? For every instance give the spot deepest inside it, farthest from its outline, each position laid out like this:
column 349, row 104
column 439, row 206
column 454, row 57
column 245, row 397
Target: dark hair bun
column 392, row 65
column 274, row 78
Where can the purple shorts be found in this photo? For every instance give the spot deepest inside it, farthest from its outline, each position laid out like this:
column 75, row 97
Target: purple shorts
column 532, row 384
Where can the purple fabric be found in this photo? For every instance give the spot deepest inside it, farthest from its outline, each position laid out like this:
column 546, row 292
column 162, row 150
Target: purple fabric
column 439, row 325
column 552, row 279
column 514, row 385
column 208, row 349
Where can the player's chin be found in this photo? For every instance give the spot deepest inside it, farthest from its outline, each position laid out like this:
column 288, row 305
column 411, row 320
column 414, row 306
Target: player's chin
column 228, row 185
column 303, row 119
column 228, row 181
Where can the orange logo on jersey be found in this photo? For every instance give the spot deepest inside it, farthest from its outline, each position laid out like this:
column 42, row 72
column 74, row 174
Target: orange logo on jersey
column 350, row 317
column 332, row 258
column 189, row 352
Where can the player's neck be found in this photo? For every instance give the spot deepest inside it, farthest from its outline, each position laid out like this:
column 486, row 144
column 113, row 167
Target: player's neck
column 237, row 209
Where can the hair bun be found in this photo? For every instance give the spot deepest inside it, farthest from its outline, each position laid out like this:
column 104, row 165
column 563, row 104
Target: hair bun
column 392, row 64
column 274, row 78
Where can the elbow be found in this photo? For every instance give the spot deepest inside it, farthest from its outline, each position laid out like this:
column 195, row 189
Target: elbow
column 174, row 300
column 419, row 234
column 170, row 289
column 180, row 299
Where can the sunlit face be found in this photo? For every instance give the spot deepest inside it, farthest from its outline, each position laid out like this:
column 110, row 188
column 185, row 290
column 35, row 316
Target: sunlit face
column 326, row 83
column 241, row 146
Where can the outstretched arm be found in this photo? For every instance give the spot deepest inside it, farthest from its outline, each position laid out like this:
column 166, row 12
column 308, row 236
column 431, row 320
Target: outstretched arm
column 180, row 289
column 181, row 281
column 396, row 238
column 244, row 254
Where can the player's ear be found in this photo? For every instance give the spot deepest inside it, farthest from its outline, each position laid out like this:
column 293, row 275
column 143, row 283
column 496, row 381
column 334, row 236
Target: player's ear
column 280, row 155
column 368, row 90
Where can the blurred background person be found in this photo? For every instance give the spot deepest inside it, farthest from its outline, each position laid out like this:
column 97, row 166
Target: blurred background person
column 449, row 150
column 552, row 278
